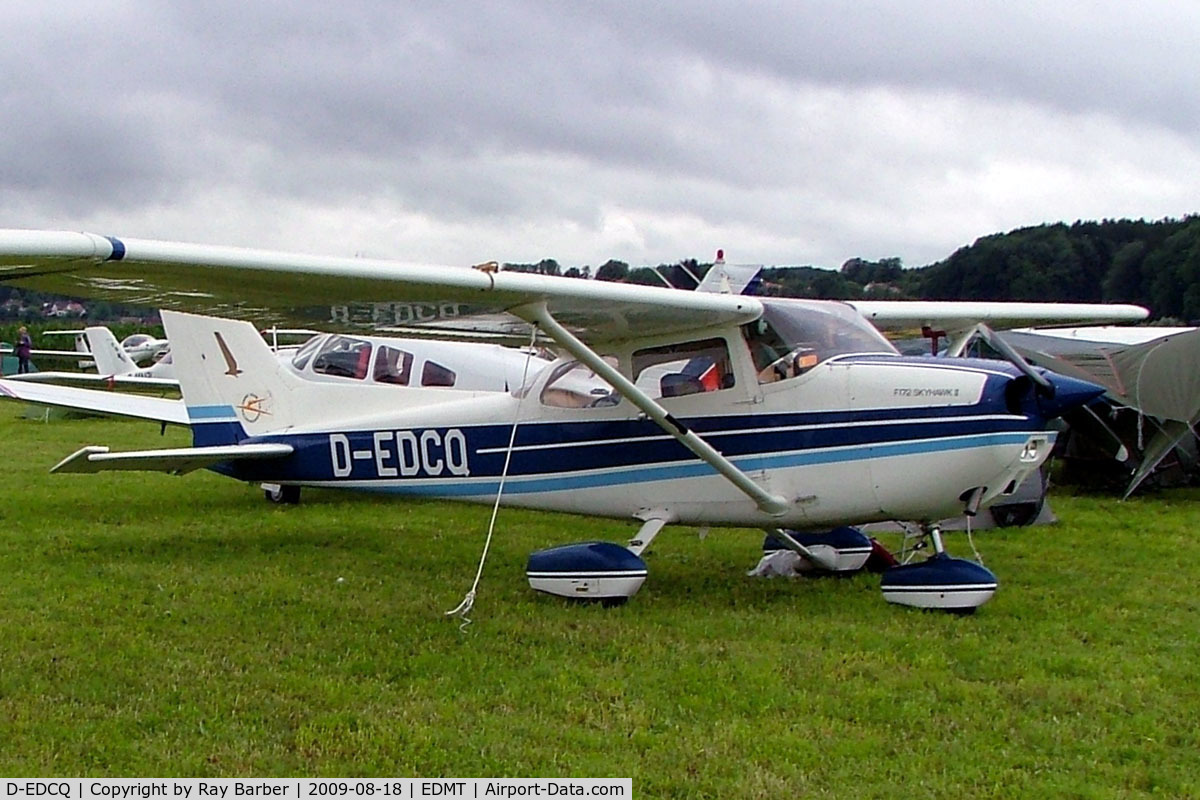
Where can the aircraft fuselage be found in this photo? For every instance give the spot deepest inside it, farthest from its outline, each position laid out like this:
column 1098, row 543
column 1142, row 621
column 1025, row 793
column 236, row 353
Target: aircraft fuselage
column 857, row 438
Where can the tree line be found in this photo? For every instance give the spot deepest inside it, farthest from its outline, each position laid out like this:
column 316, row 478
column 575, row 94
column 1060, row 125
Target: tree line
column 1155, row 264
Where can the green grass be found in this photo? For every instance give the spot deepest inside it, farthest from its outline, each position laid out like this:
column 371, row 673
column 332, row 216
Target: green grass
column 154, row 625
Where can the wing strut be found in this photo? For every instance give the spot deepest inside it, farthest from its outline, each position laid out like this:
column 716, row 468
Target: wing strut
column 537, row 313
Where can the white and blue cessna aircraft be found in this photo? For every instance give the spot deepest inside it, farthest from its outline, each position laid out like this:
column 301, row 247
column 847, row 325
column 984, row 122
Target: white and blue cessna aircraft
column 666, row 407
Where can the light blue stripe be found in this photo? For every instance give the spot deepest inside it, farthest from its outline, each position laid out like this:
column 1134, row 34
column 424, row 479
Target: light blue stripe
column 561, row 483
column 211, row 412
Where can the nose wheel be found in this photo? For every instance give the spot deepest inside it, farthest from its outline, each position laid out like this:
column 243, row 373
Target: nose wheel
column 940, row 581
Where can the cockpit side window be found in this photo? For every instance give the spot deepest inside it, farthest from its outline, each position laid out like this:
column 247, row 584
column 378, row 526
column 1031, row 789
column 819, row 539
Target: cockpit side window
column 768, row 351
column 794, row 336
column 393, row 365
column 344, row 357
column 683, row 368
column 572, row 384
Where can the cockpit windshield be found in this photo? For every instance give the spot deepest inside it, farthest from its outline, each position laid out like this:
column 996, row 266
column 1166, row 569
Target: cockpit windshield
column 343, row 356
column 793, row 336
column 305, row 353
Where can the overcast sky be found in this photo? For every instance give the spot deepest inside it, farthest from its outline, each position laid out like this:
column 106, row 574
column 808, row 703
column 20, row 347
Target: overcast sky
column 786, row 133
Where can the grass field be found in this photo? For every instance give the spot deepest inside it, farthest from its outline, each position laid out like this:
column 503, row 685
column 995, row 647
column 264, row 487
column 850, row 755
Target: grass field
column 162, row 626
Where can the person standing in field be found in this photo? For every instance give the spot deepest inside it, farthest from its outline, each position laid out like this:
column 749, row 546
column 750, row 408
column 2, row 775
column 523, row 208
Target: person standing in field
column 23, row 350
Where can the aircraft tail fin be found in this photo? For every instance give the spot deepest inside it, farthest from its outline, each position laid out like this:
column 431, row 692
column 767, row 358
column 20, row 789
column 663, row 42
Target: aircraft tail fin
column 232, row 384
column 724, row 278
column 110, row 357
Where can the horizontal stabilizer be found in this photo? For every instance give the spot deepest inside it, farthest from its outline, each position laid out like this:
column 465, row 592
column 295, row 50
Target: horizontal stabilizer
column 97, row 401
column 177, row 461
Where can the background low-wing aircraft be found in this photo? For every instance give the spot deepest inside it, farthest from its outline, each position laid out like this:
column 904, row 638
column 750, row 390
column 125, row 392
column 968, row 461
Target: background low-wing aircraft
column 78, row 338
column 95, row 346
column 323, row 357
column 769, row 413
column 142, row 348
column 115, row 365
column 115, row 358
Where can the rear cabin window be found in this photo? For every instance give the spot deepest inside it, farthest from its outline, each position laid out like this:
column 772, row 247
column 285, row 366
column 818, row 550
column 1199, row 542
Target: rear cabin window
column 681, row 369
column 434, row 374
column 393, row 365
column 344, row 357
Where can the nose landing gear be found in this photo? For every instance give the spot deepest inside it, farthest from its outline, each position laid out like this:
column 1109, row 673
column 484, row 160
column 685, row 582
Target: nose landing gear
column 940, row 581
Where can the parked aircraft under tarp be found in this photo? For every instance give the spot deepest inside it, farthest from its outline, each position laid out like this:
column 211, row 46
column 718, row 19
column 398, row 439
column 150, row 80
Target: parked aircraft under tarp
column 1153, row 388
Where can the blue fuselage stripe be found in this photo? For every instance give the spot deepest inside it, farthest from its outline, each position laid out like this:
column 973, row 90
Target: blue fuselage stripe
column 558, row 477
column 560, row 483
column 467, row 460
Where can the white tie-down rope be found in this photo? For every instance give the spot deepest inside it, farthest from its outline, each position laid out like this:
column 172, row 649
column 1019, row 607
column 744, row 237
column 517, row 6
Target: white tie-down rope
column 971, row 539
column 468, row 602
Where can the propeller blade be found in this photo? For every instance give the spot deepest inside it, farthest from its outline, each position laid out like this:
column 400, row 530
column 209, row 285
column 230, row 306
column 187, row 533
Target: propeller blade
column 1043, row 384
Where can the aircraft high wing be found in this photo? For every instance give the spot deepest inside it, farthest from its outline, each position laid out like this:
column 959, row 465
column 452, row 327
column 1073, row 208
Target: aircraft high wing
column 896, row 315
column 369, row 294
column 958, row 321
column 667, row 406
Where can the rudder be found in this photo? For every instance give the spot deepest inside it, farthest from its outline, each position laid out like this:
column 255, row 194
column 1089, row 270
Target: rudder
column 232, row 384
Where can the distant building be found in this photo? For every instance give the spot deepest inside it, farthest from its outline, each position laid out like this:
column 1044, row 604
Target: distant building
column 877, row 288
column 64, row 308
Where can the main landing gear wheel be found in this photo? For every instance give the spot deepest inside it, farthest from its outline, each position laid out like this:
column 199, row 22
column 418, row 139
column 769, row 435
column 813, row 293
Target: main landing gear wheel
column 281, row 495
column 940, row 581
column 598, row 571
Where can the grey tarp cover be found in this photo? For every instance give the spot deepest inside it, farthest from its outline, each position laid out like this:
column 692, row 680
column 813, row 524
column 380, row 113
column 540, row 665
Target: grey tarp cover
column 1159, row 378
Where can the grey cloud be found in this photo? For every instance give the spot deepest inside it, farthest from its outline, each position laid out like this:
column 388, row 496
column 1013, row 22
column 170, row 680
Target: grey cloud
column 1131, row 60
column 819, row 123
